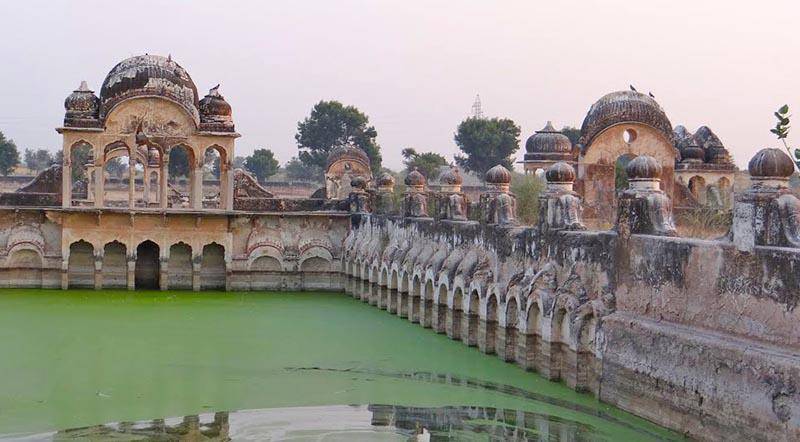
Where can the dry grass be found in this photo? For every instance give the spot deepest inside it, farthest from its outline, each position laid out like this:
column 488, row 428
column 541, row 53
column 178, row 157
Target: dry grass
column 703, row 222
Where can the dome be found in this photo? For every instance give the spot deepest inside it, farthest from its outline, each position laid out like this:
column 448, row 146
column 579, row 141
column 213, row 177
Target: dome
column 149, row 76
column 498, row 175
column 452, row 177
column 347, row 153
column 560, row 172
column 643, row 167
column 771, row 163
column 82, row 107
column 621, row 107
column 359, row 182
column 386, row 180
column 215, row 112
column 548, row 142
column 715, row 151
column 415, row 179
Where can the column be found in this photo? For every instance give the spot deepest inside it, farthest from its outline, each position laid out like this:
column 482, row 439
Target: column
column 196, row 267
column 131, row 182
column 146, row 186
column 162, row 181
column 98, row 271
column 65, row 272
column 196, row 198
column 163, row 273
column 99, row 179
column 66, row 178
column 226, row 187
column 131, row 272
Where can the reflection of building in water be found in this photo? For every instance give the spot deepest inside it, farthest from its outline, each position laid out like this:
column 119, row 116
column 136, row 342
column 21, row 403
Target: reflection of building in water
column 375, row 422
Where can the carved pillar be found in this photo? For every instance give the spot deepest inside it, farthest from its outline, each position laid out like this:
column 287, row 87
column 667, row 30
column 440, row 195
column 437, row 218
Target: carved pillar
column 163, row 198
column 415, row 200
column 385, row 197
column 65, row 273
column 131, row 272
column 498, row 204
column 131, row 182
column 559, row 206
column 98, row 271
column 197, row 262
column 146, row 186
column 163, row 272
column 196, row 199
column 66, row 177
column 99, row 182
column 226, row 186
column 767, row 213
column 228, row 273
column 643, row 206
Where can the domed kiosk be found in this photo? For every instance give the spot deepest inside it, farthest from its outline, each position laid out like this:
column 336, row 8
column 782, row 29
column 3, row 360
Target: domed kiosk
column 148, row 109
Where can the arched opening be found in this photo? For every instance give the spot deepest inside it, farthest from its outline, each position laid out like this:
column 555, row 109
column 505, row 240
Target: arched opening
column 371, row 295
column 265, row 273
column 117, row 190
column 440, row 311
column 147, row 266
column 212, row 166
column 416, row 289
column 80, row 266
column 491, row 324
column 212, row 267
column 180, row 176
column 512, row 315
column 391, row 306
column 153, row 197
column 620, row 175
column 24, row 269
column 266, row 264
column 454, row 326
column 471, row 337
column 559, row 344
column 179, row 266
column 725, row 191
column 697, row 187
column 427, row 305
column 533, row 337
column 115, row 265
column 81, row 173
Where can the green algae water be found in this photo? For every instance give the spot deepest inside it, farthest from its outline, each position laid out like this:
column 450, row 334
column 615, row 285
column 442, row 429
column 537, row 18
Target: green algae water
column 300, row 366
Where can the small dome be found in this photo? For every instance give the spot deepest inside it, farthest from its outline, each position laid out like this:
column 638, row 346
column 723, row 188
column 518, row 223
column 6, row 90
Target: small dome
column 415, row 179
column 215, row 112
column 452, row 177
column 715, row 151
column 771, row 162
column 149, row 76
column 691, row 152
column 359, row 182
column 560, row 172
column 82, row 107
column 386, row 180
column 548, row 140
column 498, row 175
column 621, row 107
column 347, row 153
column 643, row 167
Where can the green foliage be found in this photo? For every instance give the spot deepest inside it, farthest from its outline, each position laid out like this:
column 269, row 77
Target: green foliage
column 527, row 189
column 486, row 143
column 179, row 164
column 81, row 156
column 117, row 168
column 620, row 175
column 332, row 124
column 39, row 159
column 262, row 164
column 297, row 170
column 781, row 130
column 9, row 155
column 573, row 133
column 427, row 163
column 703, row 222
column 238, row 162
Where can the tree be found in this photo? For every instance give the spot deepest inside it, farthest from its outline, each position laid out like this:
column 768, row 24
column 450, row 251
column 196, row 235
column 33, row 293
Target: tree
column 781, row 130
column 9, row 155
column 38, row 159
column 297, row 170
column 486, row 143
column 179, row 164
column 573, row 133
column 527, row 189
column 262, row 164
column 427, row 163
column 117, row 168
column 238, row 162
column 332, row 124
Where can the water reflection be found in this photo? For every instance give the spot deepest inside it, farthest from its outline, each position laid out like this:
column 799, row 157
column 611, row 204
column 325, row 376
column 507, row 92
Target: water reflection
column 339, row 423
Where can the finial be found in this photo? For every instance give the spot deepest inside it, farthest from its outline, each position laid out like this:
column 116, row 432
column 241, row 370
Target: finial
column 84, row 87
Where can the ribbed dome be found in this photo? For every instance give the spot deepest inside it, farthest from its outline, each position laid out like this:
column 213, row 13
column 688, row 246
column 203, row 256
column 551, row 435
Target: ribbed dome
column 347, row 152
column 359, row 182
column 715, row 151
column 621, row 107
column 215, row 112
column 498, row 175
column 452, row 177
column 560, row 172
column 548, row 140
column 149, row 76
column 643, row 167
column 771, row 163
column 415, row 179
column 386, row 180
column 691, row 152
column 82, row 107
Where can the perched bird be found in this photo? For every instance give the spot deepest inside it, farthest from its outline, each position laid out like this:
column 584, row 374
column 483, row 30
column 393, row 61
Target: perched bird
column 651, row 95
column 633, row 88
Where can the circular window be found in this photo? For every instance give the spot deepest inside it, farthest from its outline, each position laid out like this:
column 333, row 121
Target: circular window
column 629, row 135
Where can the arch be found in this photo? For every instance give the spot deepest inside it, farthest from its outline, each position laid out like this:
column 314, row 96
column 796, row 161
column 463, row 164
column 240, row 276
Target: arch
column 147, row 265
column 512, row 316
column 179, row 266
column 80, row 265
column 116, row 175
column 23, row 268
column 559, row 344
column 81, row 162
column 491, row 324
column 697, row 187
column 471, row 333
column 455, row 313
column 315, row 264
column 586, row 370
column 210, row 167
column 415, row 299
column 440, row 310
column 181, row 176
column 115, row 265
column 533, row 334
column 427, row 304
column 212, row 267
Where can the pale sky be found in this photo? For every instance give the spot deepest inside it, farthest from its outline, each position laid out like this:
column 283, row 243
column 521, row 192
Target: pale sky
column 415, row 66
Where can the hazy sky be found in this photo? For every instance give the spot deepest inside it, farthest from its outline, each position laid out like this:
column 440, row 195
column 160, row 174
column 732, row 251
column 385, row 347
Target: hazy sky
column 415, row 66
